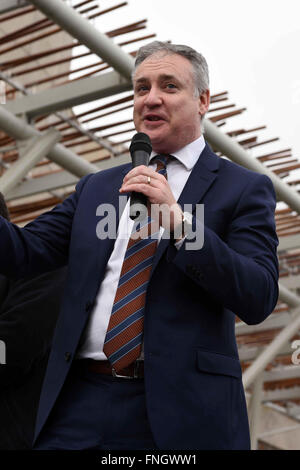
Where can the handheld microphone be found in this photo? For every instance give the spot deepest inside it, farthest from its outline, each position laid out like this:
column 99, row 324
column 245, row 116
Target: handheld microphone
column 140, row 149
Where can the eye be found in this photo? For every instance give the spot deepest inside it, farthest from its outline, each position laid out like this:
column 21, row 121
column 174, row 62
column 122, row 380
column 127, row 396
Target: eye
column 141, row 88
column 171, row 86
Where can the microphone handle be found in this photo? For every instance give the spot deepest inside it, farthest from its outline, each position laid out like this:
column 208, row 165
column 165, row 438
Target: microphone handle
column 139, row 157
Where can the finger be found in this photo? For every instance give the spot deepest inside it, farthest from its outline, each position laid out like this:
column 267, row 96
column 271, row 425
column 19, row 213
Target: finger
column 139, row 170
column 139, row 179
column 144, row 188
column 143, row 181
column 143, row 170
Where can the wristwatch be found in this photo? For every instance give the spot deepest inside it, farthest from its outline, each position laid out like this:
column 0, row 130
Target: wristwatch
column 185, row 227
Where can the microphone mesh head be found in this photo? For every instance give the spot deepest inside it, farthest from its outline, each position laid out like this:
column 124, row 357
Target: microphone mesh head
column 140, row 141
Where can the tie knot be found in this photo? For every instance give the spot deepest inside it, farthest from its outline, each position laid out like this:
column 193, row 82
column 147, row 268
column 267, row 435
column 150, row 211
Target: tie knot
column 162, row 160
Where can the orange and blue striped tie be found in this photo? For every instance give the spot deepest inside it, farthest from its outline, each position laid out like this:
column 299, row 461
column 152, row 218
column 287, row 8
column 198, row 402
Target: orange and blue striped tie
column 124, row 336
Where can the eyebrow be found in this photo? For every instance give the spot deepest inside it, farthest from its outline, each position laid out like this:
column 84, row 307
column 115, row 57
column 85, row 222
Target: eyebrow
column 161, row 77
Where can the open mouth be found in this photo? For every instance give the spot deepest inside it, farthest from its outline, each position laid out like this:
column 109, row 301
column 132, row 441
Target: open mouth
column 153, row 118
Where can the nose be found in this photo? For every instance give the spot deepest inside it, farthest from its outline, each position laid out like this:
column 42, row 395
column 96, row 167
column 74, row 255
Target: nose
column 153, row 98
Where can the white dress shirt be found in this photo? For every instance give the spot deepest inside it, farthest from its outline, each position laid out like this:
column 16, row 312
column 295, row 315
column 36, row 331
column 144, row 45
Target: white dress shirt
column 178, row 171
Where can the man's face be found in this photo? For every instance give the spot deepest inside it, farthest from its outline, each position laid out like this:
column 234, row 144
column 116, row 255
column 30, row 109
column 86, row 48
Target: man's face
column 165, row 106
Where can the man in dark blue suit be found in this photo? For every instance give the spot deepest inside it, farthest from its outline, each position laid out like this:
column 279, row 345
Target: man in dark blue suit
column 184, row 390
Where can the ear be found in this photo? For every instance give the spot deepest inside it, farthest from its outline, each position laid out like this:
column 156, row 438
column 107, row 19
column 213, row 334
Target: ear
column 204, row 100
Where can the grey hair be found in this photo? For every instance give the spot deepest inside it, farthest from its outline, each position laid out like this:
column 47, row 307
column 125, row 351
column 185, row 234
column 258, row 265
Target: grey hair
column 200, row 67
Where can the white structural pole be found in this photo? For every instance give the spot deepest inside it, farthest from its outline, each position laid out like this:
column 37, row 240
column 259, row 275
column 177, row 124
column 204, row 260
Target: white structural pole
column 236, row 153
column 20, row 130
column 37, row 148
column 8, row 5
column 66, row 96
column 272, row 349
column 82, row 29
column 59, row 180
column 288, row 296
column 255, row 411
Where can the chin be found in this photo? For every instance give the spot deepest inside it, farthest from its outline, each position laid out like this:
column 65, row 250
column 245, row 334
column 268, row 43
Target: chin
column 159, row 147
column 155, row 135
column 158, row 143
column 158, row 140
column 162, row 146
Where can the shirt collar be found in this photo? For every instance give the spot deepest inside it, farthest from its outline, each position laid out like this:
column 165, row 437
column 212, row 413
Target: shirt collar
column 189, row 154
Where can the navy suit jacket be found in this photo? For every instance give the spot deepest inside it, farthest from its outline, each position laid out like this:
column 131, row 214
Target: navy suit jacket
column 194, row 393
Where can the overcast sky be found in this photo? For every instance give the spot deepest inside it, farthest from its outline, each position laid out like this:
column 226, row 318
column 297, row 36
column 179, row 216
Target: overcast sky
column 252, row 49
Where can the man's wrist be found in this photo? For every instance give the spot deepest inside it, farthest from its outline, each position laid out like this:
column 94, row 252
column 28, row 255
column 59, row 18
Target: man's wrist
column 181, row 228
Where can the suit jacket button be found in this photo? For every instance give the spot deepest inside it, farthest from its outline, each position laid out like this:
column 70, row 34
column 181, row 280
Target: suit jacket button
column 68, row 356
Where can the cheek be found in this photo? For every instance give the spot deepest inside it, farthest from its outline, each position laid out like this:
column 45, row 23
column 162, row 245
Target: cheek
column 185, row 122
column 188, row 114
column 136, row 116
column 179, row 118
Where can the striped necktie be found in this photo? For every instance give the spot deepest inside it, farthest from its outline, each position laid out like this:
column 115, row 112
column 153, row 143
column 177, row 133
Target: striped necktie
column 124, row 336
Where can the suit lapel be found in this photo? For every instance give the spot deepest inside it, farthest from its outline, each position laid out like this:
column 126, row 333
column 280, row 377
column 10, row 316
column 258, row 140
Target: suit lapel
column 199, row 182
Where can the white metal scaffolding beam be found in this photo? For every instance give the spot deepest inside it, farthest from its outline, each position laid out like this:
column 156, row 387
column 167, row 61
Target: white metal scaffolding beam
column 255, row 411
column 69, row 95
column 20, row 130
column 36, row 150
column 236, row 153
column 288, row 243
column 58, row 180
column 82, row 29
column 8, row 5
column 272, row 349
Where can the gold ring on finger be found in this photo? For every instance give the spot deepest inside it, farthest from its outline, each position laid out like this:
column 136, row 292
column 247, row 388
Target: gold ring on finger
column 148, row 179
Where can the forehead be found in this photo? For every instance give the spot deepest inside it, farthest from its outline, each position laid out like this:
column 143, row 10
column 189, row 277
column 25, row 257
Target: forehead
column 162, row 65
